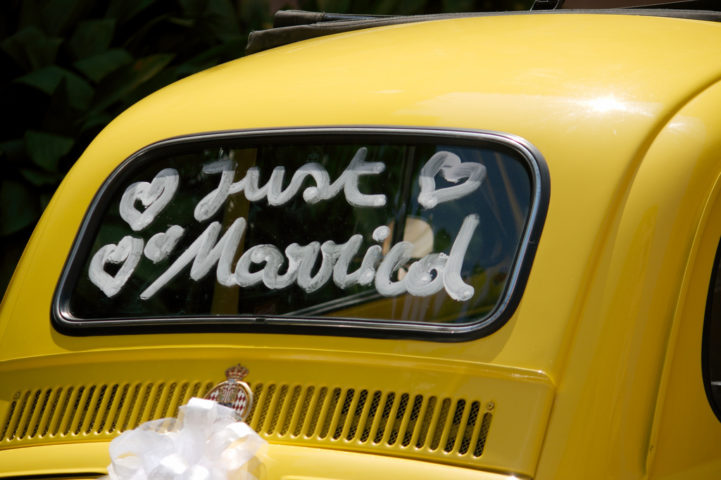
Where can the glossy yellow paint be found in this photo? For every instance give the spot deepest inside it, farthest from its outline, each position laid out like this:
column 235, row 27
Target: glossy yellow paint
column 286, row 463
column 683, row 442
column 596, row 375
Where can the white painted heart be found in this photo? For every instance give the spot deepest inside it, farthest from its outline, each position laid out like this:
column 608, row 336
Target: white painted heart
column 154, row 197
column 161, row 244
column 452, row 169
column 126, row 252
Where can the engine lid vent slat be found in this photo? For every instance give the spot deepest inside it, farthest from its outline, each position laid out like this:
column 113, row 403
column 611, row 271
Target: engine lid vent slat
column 365, row 419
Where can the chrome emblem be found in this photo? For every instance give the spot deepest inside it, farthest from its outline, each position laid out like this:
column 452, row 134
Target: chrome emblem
column 234, row 392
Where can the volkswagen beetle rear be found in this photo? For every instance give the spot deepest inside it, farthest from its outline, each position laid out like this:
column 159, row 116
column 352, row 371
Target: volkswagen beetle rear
column 438, row 249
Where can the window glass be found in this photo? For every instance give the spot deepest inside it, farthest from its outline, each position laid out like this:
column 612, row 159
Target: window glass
column 369, row 229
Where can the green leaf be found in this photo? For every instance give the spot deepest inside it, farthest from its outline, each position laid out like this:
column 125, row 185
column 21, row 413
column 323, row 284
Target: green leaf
column 31, row 48
column 217, row 17
column 193, row 8
column 79, row 92
column 46, row 149
column 30, row 13
column 256, row 15
column 40, row 178
column 133, row 77
column 212, row 56
column 59, row 115
column 61, row 14
column 92, row 37
column 48, row 79
column 146, row 33
column 222, row 20
column 182, row 22
column 124, row 10
column 95, row 122
column 18, row 207
column 100, row 65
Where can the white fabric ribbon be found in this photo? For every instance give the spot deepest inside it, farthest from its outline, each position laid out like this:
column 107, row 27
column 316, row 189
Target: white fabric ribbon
column 205, row 442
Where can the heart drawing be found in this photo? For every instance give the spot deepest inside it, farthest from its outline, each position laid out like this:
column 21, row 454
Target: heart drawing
column 161, row 244
column 153, row 196
column 453, row 170
column 126, row 253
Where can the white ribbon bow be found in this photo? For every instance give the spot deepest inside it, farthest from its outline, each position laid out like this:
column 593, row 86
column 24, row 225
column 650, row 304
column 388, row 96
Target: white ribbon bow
column 205, row 442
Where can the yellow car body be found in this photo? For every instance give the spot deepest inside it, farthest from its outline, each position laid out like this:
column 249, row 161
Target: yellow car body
column 598, row 371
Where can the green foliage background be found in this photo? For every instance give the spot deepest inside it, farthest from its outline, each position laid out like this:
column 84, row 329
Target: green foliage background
column 67, row 67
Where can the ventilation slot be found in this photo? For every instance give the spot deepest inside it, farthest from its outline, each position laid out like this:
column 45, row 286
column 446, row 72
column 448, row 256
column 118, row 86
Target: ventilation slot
column 371, row 418
column 399, row 423
column 91, row 411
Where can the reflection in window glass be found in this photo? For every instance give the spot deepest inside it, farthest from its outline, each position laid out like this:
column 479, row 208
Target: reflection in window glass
column 380, row 230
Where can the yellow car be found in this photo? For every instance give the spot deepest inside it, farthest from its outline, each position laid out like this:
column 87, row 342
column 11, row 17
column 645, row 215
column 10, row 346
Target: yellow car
column 479, row 246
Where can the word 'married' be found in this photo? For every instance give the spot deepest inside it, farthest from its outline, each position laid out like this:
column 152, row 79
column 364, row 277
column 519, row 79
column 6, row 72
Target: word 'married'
column 308, row 267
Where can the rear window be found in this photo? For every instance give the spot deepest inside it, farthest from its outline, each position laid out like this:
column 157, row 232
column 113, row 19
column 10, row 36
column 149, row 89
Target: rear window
column 403, row 231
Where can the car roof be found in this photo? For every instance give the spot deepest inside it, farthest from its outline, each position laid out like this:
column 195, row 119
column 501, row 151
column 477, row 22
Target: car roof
column 291, row 26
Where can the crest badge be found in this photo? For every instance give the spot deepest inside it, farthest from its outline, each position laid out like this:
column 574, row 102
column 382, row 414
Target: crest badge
column 234, row 392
